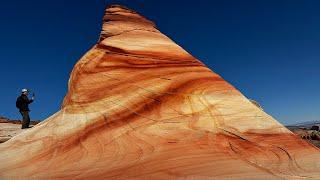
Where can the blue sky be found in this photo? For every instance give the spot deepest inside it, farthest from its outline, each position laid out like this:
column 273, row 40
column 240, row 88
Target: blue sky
column 268, row 49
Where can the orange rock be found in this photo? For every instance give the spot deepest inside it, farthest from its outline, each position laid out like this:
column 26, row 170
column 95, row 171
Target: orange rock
column 139, row 106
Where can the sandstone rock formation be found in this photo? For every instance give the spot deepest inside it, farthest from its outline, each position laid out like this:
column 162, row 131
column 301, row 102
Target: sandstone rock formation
column 10, row 128
column 256, row 103
column 139, row 106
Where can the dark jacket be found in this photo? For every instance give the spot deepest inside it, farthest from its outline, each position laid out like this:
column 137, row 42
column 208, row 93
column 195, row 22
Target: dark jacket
column 23, row 102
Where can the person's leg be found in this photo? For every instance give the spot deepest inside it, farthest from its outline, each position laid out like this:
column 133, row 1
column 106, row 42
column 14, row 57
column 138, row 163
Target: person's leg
column 22, row 121
column 25, row 119
column 28, row 119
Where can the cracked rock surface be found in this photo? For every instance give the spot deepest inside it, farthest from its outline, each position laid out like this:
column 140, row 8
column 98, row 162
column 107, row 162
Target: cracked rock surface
column 140, row 107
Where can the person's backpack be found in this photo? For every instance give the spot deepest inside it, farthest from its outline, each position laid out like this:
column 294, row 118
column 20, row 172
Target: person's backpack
column 18, row 103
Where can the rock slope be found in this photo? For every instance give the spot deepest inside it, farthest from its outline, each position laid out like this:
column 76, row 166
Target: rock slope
column 139, row 106
column 10, row 128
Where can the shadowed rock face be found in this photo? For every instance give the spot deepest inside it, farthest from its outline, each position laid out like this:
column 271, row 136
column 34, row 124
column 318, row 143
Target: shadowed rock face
column 139, row 106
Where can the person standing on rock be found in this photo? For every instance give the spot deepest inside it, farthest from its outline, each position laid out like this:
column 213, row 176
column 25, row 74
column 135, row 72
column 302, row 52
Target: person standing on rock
column 22, row 104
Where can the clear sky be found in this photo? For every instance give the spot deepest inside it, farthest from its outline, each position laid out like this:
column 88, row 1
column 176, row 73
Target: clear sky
column 268, row 49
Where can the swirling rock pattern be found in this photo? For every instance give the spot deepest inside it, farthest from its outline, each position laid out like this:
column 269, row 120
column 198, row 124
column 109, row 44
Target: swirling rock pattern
column 139, row 106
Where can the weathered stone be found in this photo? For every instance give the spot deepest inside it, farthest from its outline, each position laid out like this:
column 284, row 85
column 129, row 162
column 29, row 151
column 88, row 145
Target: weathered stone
column 140, row 107
column 315, row 128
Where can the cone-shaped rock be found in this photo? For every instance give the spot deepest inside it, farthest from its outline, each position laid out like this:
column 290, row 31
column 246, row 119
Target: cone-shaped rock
column 139, row 106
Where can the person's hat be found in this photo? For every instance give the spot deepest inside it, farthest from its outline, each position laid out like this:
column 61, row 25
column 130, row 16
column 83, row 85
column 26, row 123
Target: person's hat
column 24, row 90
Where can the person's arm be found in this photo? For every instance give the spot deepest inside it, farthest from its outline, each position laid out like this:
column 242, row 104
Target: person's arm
column 27, row 100
column 32, row 98
column 30, row 101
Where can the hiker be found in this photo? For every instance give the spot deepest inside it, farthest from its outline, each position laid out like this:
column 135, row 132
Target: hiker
column 22, row 104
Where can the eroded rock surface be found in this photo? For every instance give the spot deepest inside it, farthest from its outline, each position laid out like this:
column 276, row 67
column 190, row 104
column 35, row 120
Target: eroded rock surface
column 10, row 128
column 139, row 106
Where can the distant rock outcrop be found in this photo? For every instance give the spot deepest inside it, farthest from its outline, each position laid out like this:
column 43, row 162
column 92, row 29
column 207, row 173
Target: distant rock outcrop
column 307, row 131
column 315, row 128
column 140, row 107
column 7, row 120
